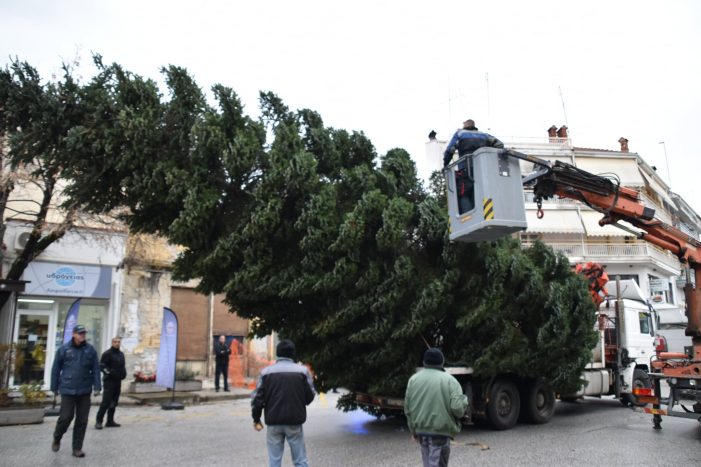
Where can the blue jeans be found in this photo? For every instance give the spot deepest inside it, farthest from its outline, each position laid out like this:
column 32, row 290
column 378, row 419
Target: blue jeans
column 275, row 439
column 435, row 450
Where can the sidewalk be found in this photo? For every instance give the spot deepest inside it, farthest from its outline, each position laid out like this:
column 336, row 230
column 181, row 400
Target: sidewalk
column 189, row 398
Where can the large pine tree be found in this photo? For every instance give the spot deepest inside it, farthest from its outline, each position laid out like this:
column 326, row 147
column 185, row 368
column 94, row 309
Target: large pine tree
column 311, row 234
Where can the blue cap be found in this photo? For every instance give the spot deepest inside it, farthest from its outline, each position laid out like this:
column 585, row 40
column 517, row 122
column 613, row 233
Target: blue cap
column 79, row 329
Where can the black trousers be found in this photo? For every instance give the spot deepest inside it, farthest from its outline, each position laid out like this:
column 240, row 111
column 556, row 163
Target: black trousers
column 110, row 400
column 221, row 369
column 78, row 406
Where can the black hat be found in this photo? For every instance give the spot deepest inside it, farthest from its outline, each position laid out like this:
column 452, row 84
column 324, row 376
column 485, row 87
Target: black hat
column 433, row 358
column 286, row 349
column 79, row 329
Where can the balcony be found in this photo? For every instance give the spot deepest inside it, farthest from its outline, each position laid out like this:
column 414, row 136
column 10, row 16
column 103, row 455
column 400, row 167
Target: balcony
column 617, row 253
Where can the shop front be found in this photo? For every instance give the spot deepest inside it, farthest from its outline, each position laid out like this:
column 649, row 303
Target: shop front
column 42, row 309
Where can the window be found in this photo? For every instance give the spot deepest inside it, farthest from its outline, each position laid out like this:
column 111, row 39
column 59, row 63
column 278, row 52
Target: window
column 645, row 321
column 92, row 315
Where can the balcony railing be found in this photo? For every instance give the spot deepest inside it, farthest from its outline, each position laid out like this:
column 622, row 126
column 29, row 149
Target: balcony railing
column 612, row 252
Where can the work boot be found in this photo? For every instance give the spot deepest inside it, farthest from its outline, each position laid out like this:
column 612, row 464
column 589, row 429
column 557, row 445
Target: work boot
column 98, row 425
column 112, row 424
column 56, row 445
column 78, row 453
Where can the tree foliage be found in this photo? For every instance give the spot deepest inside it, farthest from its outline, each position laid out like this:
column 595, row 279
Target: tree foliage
column 35, row 119
column 310, row 233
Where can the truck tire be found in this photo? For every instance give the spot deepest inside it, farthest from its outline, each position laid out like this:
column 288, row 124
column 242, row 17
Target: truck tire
column 640, row 380
column 538, row 401
column 504, row 404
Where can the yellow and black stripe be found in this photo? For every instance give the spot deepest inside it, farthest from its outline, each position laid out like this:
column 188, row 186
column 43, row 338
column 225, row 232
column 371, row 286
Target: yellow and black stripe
column 488, row 207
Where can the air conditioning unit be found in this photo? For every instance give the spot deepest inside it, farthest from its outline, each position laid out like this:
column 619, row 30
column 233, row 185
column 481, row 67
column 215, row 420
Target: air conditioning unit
column 21, row 240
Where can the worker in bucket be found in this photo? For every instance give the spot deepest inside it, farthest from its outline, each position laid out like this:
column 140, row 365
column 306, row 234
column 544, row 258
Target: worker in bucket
column 467, row 140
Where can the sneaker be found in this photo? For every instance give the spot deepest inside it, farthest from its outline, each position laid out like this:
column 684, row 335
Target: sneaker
column 78, row 453
column 112, row 425
column 98, row 425
column 56, row 445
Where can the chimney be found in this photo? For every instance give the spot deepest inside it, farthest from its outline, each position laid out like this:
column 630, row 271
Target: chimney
column 562, row 132
column 552, row 132
column 624, row 144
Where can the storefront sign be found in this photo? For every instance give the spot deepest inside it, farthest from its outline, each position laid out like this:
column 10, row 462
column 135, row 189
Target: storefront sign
column 68, row 280
column 659, row 285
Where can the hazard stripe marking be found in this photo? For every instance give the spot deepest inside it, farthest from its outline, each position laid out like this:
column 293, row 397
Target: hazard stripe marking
column 488, row 205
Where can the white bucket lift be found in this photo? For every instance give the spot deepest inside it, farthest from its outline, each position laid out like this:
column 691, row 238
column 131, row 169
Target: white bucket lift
column 485, row 196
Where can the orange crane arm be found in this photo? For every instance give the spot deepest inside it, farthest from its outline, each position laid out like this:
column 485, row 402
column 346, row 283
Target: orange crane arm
column 616, row 203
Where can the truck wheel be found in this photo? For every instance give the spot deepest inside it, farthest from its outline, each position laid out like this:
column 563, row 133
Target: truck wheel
column 640, row 380
column 504, row 404
column 538, row 402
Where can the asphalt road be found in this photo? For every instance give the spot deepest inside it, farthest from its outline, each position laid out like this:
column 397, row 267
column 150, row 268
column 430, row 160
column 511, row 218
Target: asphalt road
column 590, row 433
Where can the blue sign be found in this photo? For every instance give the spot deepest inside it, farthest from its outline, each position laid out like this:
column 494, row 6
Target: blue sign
column 68, row 280
column 167, row 354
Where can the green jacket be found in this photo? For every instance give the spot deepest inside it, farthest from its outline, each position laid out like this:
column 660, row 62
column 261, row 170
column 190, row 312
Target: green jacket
column 434, row 403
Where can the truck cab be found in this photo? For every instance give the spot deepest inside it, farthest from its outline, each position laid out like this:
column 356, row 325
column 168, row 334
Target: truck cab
column 633, row 342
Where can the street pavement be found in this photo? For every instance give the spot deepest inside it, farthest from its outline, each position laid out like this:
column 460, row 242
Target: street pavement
column 589, row 433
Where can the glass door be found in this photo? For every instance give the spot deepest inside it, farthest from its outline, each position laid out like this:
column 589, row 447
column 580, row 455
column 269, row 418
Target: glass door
column 34, row 338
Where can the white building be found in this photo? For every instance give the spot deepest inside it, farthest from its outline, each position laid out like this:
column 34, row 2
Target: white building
column 572, row 227
column 81, row 265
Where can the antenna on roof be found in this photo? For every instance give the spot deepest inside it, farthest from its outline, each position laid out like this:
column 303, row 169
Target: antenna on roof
column 564, row 111
column 489, row 108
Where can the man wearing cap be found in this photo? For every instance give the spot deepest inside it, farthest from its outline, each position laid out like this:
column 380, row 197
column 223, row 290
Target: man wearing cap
column 467, row 140
column 283, row 391
column 76, row 371
column 434, row 404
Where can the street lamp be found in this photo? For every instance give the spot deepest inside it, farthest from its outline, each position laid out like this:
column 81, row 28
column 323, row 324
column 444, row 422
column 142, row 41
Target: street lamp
column 669, row 175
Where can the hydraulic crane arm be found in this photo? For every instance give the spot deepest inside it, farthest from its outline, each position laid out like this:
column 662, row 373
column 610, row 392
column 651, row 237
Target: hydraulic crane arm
column 617, row 203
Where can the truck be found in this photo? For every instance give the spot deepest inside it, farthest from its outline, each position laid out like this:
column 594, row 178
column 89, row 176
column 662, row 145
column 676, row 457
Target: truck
column 485, row 202
column 620, row 363
column 494, row 177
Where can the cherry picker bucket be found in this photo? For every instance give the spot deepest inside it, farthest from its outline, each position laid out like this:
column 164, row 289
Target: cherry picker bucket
column 485, row 196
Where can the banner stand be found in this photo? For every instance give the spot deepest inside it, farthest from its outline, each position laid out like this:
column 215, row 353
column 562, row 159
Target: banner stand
column 173, row 404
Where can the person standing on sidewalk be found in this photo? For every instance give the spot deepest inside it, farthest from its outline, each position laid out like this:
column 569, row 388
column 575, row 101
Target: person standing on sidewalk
column 284, row 389
column 221, row 367
column 434, row 404
column 114, row 371
column 75, row 372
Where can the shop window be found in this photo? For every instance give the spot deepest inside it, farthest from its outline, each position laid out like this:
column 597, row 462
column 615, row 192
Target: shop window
column 92, row 315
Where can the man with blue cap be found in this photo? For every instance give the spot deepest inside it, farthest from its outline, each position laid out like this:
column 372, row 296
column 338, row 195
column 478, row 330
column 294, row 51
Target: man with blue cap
column 76, row 371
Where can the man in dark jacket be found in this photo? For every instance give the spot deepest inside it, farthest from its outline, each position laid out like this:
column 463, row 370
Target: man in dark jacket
column 221, row 367
column 467, row 140
column 76, row 371
column 284, row 390
column 114, row 371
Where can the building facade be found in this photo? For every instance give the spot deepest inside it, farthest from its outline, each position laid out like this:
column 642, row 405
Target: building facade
column 572, row 228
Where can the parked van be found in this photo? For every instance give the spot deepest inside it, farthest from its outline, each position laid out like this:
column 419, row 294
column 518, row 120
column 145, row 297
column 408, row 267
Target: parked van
column 672, row 322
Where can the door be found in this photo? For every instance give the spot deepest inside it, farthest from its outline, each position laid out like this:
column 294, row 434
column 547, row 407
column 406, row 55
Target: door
column 34, row 337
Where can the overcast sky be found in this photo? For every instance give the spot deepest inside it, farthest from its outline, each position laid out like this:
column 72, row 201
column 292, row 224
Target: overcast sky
column 397, row 70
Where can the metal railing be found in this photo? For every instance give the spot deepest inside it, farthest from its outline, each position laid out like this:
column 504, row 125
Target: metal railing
column 614, row 252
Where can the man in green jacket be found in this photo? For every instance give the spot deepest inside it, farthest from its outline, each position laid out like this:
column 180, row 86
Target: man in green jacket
column 434, row 404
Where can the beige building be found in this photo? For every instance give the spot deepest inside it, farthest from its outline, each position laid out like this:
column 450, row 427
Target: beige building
column 122, row 281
